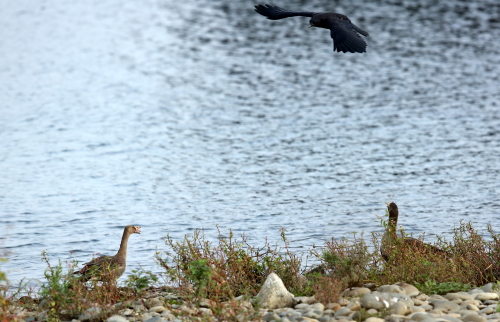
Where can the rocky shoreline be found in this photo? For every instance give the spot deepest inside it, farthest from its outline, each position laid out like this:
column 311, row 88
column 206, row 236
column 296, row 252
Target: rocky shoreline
column 392, row 303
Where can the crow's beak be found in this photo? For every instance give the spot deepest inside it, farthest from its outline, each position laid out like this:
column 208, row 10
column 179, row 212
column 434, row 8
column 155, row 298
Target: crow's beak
column 311, row 26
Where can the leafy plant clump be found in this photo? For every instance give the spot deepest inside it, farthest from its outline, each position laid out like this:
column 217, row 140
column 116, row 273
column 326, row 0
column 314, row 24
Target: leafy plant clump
column 4, row 300
column 351, row 263
column 65, row 296
column 468, row 260
column 229, row 268
column 433, row 287
column 232, row 267
column 141, row 279
column 327, row 289
column 476, row 258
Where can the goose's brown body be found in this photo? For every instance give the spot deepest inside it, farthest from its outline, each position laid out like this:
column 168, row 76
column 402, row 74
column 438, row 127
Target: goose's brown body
column 413, row 244
column 109, row 267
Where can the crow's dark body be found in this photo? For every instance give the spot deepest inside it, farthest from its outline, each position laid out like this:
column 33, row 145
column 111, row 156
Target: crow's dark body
column 344, row 33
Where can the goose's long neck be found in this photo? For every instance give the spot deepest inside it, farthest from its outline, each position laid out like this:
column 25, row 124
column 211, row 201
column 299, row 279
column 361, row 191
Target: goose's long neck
column 393, row 220
column 122, row 252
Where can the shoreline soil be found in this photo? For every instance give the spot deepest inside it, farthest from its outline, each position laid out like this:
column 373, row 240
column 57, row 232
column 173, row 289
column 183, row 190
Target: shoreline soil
column 398, row 302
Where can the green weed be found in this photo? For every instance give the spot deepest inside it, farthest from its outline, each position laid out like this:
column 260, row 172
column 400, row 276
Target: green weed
column 433, row 287
column 141, row 279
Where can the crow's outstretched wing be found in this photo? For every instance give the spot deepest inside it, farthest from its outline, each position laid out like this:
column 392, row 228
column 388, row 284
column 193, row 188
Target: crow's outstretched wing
column 276, row 13
column 361, row 31
column 345, row 36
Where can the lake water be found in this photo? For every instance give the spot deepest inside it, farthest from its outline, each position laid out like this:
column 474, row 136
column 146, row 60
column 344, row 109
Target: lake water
column 177, row 115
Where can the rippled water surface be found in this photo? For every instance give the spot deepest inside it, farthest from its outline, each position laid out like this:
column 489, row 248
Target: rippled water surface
column 176, row 115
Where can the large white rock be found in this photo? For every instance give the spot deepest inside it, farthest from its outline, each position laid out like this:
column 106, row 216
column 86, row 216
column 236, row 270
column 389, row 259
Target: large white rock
column 274, row 294
column 490, row 287
column 391, row 289
column 409, row 289
column 459, row 295
column 374, row 319
column 486, row 296
column 355, row 291
column 116, row 318
column 445, row 306
column 380, row 300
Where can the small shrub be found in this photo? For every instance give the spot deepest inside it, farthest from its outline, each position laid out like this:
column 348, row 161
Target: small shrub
column 228, row 269
column 477, row 259
column 10, row 296
column 236, row 311
column 4, row 299
column 349, row 262
column 468, row 260
column 141, row 279
column 327, row 289
column 66, row 296
column 200, row 274
column 58, row 292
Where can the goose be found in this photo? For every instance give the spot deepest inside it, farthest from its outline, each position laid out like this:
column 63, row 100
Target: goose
column 105, row 267
column 389, row 237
